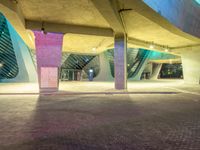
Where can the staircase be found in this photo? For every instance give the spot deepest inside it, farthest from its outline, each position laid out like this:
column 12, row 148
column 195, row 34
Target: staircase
column 135, row 59
column 139, row 62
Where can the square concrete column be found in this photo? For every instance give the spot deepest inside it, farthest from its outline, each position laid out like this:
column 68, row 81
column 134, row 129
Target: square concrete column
column 120, row 52
column 48, row 55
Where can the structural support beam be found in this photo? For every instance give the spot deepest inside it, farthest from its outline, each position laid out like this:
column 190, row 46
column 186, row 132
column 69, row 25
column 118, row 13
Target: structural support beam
column 156, row 71
column 13, row 6
column 67, row 28
column 120, row 52
column 143, row 9
column 13, row 13
column 109, row 10
column 48, row 55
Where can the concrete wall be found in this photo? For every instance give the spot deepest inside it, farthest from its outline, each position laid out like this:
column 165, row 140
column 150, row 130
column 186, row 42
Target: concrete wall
column 148, row 68
column 155, row 71
column 27, row 71
column 191, row 65
column 184, row 14
column 105, row 72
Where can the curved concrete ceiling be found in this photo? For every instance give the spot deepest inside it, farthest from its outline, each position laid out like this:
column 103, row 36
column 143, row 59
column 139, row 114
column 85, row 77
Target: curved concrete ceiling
column 143, row 25
column 142, row 28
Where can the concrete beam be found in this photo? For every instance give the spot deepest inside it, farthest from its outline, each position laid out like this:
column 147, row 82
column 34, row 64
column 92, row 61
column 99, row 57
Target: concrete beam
column 13, row 6
column 67, row 28
column 110, row 11
column 146, row 45
column 12, row 11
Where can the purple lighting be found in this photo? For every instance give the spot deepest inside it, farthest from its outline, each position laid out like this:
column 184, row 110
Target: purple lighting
column 48, row 49
column 48, row 54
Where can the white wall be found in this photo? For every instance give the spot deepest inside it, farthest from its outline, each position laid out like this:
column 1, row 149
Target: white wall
column 105, row 72
column 191, row 65
column 156, row 72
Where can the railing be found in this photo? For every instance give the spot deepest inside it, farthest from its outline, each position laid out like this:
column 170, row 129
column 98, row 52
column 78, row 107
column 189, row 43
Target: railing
column 78, row 62
column 141, row 62
column 135, row 60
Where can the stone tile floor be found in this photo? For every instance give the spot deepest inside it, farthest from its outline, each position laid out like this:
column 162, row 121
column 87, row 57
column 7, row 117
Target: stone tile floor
column 100, row 122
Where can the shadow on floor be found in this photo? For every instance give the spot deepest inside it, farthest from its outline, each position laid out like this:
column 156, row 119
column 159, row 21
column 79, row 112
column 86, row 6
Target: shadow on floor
column 110, row 122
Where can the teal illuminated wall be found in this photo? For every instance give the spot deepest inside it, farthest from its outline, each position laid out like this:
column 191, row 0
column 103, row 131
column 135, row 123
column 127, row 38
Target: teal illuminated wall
column 8, row 63
column 161, row 56
column 17, row 62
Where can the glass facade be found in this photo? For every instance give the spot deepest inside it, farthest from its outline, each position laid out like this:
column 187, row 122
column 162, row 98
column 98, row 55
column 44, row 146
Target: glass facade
column 8, row 62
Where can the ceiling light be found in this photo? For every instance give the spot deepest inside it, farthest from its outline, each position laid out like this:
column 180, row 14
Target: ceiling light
column 151, row 46
column 1, row 65
column 166, row 50
column 94, row 49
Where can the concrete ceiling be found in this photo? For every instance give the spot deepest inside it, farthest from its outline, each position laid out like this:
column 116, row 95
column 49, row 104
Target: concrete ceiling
column 94, row 14
column 77, row 43
column 142, row 28
column 78, row 12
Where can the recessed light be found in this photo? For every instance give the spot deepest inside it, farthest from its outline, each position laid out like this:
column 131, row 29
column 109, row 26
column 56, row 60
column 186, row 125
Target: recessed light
column 166, row 50
column 151, row 46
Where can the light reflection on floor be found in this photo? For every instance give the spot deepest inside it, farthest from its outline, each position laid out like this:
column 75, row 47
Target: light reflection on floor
column 85, row 86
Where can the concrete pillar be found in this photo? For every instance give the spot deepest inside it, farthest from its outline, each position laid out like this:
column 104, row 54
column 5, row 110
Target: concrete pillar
column 104, row 72
column 191, row 65
column 48, row 55
column 156, row 71
column 120, row 61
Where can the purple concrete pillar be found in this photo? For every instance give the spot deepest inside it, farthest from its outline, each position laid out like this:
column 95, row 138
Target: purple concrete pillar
column 120, row 53
column 48, row 55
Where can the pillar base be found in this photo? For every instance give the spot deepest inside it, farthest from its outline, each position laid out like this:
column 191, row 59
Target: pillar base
column 48, row 90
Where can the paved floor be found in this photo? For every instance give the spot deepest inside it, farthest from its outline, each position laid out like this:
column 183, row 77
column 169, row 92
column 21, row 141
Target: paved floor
column 135, row 121
column 85, row 87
